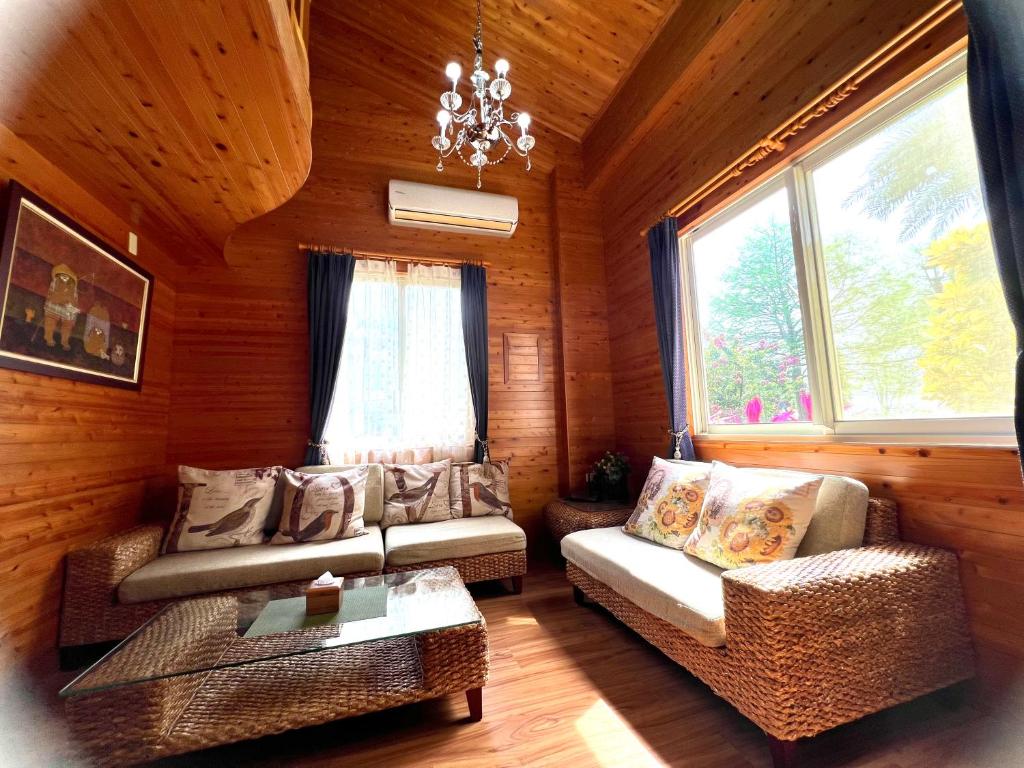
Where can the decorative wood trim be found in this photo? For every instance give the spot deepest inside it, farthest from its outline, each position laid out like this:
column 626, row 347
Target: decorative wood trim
column 946, row 16
column 521, row 345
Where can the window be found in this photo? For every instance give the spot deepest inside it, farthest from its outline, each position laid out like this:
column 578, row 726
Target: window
column 755, row 359
column 856, row 292
column 403, row 389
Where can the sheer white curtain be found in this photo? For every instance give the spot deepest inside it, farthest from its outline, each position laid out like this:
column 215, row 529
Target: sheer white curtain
column 403, row 392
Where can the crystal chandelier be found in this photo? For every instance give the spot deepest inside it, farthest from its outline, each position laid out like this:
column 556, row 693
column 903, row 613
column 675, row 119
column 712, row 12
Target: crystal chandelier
column 480, row 130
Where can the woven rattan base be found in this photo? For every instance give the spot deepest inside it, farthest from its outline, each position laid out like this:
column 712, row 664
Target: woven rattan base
column 184, row 713
column 501, row 565
column 564, row 517
column 825, row 658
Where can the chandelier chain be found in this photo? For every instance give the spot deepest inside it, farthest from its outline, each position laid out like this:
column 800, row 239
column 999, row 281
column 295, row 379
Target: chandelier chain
column 479, row 39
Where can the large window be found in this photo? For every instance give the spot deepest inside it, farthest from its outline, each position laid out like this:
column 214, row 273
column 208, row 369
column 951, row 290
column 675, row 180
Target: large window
column 403, row 390
column 856, row 292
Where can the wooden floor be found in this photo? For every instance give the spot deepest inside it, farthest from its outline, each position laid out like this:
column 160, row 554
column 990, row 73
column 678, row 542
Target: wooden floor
column 570, row 687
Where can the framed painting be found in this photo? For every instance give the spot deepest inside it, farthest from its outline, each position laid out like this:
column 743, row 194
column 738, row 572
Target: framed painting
column 73, row 306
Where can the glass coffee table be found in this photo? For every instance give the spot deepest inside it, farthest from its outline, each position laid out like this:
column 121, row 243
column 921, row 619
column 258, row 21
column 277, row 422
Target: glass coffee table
column 225, row 668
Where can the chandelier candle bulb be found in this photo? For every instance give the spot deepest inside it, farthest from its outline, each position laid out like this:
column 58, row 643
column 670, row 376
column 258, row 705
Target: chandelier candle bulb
column 481, row 129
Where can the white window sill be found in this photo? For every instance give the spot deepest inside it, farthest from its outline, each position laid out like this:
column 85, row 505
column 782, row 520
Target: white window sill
column 931, row 440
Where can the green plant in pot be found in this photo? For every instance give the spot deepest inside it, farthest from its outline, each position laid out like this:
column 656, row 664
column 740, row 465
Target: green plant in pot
column 608, row 480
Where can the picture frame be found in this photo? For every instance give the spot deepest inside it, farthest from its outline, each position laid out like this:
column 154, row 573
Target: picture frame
column 71, row 305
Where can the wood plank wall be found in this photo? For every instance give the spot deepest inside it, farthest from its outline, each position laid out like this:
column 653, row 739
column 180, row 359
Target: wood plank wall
column 77, row 461
column 241, row 351
column 588, row 411
column 966, row 499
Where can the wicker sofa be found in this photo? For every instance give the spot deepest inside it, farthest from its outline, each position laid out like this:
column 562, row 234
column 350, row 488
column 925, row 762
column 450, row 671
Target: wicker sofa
column 801, row 645
column 113, row 586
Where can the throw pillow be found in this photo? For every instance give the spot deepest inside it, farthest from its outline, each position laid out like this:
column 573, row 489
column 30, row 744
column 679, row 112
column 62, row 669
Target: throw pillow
column 321, row 507
column 218, row 509
column 753, row 516
column 478, row 490
column 670, row 502
column 416, row 493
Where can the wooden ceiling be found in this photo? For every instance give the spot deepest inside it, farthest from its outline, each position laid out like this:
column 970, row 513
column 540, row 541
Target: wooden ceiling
column 567, row 56
column 186, row 117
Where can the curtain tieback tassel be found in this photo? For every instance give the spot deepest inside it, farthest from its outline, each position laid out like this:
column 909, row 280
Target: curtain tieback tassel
column 678, row 437
column 484, row 447
column 322, row 448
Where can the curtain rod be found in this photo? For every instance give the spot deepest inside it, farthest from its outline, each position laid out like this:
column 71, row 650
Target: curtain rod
column 316, row 247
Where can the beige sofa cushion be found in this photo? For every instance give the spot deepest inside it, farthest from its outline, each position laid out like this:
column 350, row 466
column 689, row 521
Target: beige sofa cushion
column 839, row 517
column 194, row 573
column 680, row 589
column 373, row 505
column 448, row 539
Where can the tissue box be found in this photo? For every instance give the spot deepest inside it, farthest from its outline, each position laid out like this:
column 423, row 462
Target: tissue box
column 324, row 598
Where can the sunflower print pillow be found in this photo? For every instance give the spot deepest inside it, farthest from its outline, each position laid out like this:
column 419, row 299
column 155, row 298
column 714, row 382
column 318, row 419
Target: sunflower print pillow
column 670, row 502
column 753, row 516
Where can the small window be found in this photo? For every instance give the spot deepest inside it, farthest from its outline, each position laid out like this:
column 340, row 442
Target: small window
column 856, row 292
column 403, row 389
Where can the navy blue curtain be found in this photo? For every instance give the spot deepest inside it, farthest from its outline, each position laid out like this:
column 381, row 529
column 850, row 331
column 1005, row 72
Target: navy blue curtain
column 329, row 284
column 995, row 83
column 663, row 242
column 474, row 333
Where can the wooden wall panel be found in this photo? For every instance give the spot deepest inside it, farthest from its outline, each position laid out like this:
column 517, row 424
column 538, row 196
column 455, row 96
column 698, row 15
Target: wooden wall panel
column 78, row 460
column 241, row 350
column 738, row 90
column 587, row 409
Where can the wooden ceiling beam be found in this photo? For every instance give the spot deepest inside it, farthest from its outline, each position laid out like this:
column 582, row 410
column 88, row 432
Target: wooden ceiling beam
column 650, row 91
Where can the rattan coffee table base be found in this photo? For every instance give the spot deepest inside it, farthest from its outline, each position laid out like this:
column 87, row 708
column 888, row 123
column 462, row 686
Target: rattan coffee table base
column 149, row 720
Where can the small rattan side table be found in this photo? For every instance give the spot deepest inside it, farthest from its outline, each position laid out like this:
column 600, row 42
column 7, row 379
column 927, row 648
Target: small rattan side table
column 566, row 516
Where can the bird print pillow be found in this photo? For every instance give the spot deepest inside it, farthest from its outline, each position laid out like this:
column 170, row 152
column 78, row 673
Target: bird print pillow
column 321, row 507
column 478, row 490
column 221, row 508
column 416, row 493
column 670, row 502
column 753, row 516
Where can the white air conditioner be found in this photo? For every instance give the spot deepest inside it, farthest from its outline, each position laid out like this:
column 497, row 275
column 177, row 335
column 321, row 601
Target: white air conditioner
column 456, row 210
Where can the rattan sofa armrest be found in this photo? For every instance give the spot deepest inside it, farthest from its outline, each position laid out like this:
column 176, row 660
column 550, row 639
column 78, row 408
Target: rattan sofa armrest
column 844, row 570
column 840, row 604
column 822, row 640
column 113, row 558
column 94, row 572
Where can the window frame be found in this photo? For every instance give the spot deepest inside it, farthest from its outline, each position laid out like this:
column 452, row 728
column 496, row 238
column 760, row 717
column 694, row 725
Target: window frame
column 822, row 365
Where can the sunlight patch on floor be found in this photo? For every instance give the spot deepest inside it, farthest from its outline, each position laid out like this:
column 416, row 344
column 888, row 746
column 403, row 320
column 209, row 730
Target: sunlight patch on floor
column 612, row 740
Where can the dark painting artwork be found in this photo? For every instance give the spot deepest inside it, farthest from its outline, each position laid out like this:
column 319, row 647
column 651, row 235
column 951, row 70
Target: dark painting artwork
column 72, row 305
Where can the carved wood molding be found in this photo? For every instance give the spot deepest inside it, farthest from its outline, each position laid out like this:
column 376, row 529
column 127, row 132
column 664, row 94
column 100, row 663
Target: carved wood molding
column 944, row 14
